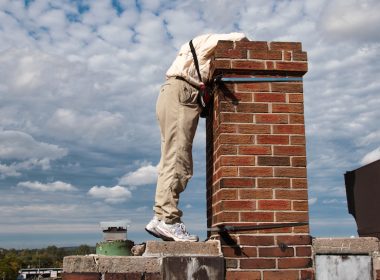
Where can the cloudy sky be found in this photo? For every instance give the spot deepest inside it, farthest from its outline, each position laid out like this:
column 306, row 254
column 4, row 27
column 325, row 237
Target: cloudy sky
column 79, row 79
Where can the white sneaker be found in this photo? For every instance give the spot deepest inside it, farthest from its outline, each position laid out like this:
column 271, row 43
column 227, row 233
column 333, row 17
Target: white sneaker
column 151, row 227
column 176, row 232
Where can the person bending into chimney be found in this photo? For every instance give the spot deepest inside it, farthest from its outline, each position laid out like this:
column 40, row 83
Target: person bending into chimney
column 178, row 113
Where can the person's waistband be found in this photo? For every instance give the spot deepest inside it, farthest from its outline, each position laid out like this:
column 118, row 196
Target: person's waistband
column 183, row 79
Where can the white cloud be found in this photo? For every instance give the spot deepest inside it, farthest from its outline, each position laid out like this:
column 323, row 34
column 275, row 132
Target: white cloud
column 19, row 145
column 333, row 201
column 371, row 156
column 116, row 194
column 145, row 175
column 69, row 124
column 23, row 152
column 48, row 187
column 313, row 200
column 352, row 19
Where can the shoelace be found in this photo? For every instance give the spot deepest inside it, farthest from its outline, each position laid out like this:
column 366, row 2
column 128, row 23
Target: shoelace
column 181, row 229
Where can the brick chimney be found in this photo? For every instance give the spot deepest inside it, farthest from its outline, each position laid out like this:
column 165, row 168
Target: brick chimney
column 256, row 161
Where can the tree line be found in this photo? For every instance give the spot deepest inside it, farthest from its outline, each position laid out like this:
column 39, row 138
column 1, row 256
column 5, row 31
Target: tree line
column 12, row 260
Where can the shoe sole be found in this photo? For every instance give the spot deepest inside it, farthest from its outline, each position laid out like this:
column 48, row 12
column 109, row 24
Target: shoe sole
column 166, row 236
column 157, row 235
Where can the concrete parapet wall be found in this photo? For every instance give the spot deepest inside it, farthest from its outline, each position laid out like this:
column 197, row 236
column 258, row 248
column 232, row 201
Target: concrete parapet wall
column 347, row 258
column 161, row 260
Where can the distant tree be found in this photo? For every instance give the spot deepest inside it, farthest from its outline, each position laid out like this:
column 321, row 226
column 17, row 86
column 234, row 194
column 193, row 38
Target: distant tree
column 84, row 250
column 12, row 260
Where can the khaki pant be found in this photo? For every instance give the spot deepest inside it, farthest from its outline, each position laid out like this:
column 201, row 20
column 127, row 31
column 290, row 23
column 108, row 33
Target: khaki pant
column 178, row 114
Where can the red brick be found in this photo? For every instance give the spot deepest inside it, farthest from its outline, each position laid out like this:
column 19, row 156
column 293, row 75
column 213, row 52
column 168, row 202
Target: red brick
column 290, row 150
column 252, row 108
column 227, row 107
column 296, row 119
column 81, row 276
column 251, row 65
column 255, row 171
column 226, row 194
column 227, row 171
column 255, row 194
column 271, row 118
column 237, row 183
column 297, row 140
column 276, row 252
column 287, row 66
column 281, row 275
column 258, row 240
column 236, row 118
column 287, row 108
column 292, row 217
column 253, row 45
column 265, row 55
column 236, row 205
column 253, row 87
column 224, row 45
column 253, row 129
column 236, row 139
column 227, row 150
column 299, row 161
column 273, row 183
column 237, row 160
column 239, row 252
column 243, row 96
column 299, row 56
column 303, row 251
column 274, row 205
column 300, row 206
column 290, row 46
column 226, row 217
column 287, row 87
column 295, row 98
column 132, row 276
column 241, row 275
column 299, row 183
column 294, row 263
column 273, row 161
column 257, row 263
column 230, row 53
column 293, row 172
column 291, row 194
column 269, row 97
column 222, row 64
column 287, row 55
column 289, row 129
column 293, row 240
column 256, row 216
column 273, row 139
column 255, row 150
column 226, row 128
column 307, row 274
column 269, row 65
column 301, row 229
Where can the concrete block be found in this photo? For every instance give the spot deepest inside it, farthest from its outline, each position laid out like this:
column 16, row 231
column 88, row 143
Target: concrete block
column 359, row 245
column 111, row 264
column 160, row 248
column 200, row 268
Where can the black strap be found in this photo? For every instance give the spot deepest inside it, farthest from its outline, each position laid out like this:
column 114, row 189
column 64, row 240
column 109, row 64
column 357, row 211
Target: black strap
column 195, row 59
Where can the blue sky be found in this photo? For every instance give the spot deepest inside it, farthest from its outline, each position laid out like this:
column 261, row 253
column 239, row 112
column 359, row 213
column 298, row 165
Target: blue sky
column 79, row 140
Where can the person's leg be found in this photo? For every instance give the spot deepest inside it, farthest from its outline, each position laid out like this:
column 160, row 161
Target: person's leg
column 178, row 115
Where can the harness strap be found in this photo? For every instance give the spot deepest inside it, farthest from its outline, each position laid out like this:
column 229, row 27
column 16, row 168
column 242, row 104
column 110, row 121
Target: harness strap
column 195, row 59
